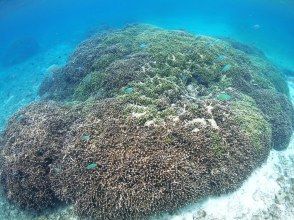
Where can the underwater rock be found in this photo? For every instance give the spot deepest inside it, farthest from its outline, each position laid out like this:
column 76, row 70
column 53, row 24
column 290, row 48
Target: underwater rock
column 19, row 51
column 144, row 130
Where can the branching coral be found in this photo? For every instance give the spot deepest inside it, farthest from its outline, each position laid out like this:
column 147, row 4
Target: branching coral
column 149, row 120
column 31, row 143
column 142, row 170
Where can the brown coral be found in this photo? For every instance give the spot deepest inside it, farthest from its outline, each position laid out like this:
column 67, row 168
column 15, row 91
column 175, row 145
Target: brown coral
column 31, row 143
column 144, row 170
column 150, row 120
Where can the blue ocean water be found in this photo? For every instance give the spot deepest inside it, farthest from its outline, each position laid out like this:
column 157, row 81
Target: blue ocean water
column 266, row 24
column 56, row 27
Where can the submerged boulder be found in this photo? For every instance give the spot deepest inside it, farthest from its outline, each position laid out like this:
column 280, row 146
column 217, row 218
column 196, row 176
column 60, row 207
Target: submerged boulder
column 147, row 121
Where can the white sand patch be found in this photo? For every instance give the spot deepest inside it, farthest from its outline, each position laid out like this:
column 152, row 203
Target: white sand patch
column 144, row 69
column 173, row 58
column 149, row 123
column 209, row 109
column 213, row 123
column 138, row 114
column 175, row 119
column 195, row 130
column 201, row 121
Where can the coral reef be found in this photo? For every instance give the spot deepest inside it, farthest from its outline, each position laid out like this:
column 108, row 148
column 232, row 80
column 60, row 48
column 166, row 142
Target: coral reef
column 29, row 146
column 130, row 171
column 248, row 49
column 147, row 121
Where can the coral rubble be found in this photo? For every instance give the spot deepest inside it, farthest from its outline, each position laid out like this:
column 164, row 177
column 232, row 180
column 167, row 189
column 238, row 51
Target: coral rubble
column 142, row 121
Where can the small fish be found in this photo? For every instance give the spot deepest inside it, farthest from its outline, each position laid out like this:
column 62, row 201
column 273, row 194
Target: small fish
column 200, row 80
column 221, row 58
column 256, row 27
column 80, row 69
column 91, row 166
column 143, row 45
column 224, row 97
column 85, row 137
column 226, row 68
column 129, row 90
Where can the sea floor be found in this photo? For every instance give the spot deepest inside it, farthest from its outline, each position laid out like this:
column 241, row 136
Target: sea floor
column 267, row 194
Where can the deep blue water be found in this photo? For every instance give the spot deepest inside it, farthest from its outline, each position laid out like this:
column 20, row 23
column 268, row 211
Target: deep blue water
column 266, row 24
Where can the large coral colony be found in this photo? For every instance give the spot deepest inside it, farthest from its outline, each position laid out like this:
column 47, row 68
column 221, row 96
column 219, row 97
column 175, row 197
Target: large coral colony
column 143, row 121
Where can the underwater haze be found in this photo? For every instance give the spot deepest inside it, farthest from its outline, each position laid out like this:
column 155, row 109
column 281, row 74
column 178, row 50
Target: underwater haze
column 159, row 109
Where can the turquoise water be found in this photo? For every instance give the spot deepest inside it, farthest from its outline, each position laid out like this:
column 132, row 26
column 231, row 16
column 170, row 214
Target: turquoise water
column 37, row 37
column 266, row 24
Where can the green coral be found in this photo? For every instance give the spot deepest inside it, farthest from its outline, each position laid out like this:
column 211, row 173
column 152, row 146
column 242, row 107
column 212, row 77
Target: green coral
column 128, row 90
column 143, row 65
column 91, row 166
column 278, row 112
column 90, row 86
column 165, row 53
column 219, row 146
column 268, row 76
column 252, row 122
column 148, row 98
